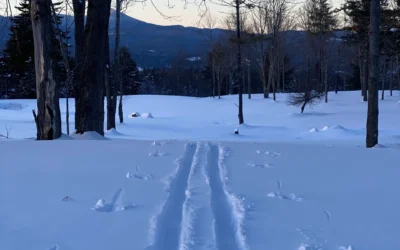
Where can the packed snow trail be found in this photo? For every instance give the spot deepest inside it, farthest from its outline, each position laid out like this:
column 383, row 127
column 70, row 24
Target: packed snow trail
column 168, row 228
column 227, row 224
column 197, row 222
column 199, row 213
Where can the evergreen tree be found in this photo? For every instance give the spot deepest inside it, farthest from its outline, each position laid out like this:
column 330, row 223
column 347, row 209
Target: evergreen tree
column 19, row 53
column 130, row 73
column 319, row 23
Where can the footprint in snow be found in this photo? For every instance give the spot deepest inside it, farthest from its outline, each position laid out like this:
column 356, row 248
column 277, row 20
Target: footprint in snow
column 138, row 175
column 272, row 154
column 157, row 154
column 255, row 165
column 304, row 246
column 291, row 197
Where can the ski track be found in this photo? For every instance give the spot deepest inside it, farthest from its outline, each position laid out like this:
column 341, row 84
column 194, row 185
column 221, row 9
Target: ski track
column 227, row 211
column 168, row 224
column 199, row 213
column 197, row 218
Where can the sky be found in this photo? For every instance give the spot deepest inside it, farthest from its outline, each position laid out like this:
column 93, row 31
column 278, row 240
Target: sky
column 186, row 15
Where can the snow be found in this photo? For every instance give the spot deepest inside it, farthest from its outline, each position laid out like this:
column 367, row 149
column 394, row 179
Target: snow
column 194, row 59
column 184, row 180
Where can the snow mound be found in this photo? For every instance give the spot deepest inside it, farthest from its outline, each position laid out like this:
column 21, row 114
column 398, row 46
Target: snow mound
column 380, row 146
column 12, row 106
column 134, row 115
column 147, row 115
column 113, row 132
column 89, row 135
column 313, row 130
column 336, row 127
column 65, row 137
column 325, row 128
column 346, row 248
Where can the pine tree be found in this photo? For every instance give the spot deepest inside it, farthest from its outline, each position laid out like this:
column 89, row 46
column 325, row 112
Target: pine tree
column 19, row 53
column 319, row 23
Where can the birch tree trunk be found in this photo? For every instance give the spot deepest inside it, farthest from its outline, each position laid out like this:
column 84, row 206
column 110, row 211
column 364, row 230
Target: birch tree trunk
column 373, row 105
column 48, row 118
column 91, row 94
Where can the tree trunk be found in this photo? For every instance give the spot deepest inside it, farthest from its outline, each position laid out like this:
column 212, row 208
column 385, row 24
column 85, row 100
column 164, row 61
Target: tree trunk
column 213, row 75
column 326, row 79
column 383, row 78
column 283, row 76
column 120, row 110
column 373, row 106
column 249, row 80
column 219, row 83
column 337, row 77
column 117, row 62
column 239, row 63
column 361, row 66
column 79, row 21
column 64, row 52
column 398, row 73
column 48, row 118
column 391, row 76
column 109, row 88
column 366, row 78
column 270, row 79
column 91, row 94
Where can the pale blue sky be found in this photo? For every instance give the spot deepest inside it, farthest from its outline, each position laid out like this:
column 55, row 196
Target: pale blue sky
column 188, row 16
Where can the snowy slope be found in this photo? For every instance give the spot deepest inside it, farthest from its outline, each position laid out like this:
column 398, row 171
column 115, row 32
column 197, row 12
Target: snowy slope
column 284, row 183
column 223, row 196
column 343, row 119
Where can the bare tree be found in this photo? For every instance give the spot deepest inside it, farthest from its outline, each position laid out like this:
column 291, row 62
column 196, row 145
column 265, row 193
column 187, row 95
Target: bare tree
column 373, row 106
column 259, row 25
column 302, row 99
column 79, row 7
column 91, row 92
column 48, row 117
column 64, row 53
column 209, row 23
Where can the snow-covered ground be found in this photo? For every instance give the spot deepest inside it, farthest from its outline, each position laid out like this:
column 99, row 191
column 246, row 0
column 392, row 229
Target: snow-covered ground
column 183, row 180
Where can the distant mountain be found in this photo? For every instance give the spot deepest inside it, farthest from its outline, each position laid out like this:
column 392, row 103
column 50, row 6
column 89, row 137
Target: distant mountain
column 153, row 45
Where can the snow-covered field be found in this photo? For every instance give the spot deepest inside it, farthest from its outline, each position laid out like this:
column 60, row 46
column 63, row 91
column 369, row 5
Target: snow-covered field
column 183, row 180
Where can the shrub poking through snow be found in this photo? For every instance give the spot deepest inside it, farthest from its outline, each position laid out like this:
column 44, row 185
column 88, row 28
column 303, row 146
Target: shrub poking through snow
column 302, row 99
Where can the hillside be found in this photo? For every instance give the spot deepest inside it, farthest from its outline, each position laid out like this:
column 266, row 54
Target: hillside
column 184, row 180
column 155, row 46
